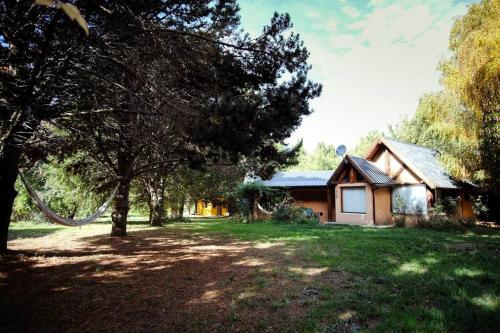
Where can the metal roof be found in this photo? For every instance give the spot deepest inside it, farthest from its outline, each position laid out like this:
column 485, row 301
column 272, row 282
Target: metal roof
column 299, row 179
column 422, row 161
column 373, row 174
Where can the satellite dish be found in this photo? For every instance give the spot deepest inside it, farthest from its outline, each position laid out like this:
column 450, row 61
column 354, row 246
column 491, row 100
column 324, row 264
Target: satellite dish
column 340, row 151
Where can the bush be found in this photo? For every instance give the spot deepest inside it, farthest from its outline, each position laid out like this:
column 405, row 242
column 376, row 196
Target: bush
column 445, row 222
column 400, row 220
column 291, row 214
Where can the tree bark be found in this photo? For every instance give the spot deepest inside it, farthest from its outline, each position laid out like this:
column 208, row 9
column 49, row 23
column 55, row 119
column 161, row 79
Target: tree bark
column 156, row 194
column 9, row 163
column 121, row 201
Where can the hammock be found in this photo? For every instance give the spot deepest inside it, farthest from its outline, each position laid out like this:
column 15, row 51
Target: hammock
column 263, row 210
column 52, row 216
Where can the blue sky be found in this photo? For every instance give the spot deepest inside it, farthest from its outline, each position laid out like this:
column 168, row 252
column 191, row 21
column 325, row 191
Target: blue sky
column 375, row 58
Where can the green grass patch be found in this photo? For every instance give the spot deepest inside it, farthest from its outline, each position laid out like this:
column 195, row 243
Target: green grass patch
column 393, row 279
column 401, row 279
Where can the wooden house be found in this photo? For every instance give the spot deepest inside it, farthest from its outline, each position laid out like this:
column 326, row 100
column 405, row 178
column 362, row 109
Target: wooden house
column 394, row 177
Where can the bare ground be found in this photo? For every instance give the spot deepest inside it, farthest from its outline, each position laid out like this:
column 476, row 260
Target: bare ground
column 155, row 280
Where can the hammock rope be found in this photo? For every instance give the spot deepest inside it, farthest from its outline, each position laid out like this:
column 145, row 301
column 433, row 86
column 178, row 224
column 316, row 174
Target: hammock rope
column 54, row 217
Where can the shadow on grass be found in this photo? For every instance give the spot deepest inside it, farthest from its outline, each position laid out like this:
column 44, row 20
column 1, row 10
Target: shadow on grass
column 297, row 277
column 33, row 232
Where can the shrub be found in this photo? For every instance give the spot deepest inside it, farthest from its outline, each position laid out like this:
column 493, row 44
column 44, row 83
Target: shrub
column 400, row 220
column 479, row 208
column 290, row 214
column 445, row 222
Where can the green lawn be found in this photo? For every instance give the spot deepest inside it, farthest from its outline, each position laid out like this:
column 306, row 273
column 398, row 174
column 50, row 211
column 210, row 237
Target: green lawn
column 406, row 279
column 393, row 279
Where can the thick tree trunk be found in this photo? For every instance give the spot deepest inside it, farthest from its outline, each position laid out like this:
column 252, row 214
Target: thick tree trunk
column 120, row 209
column 121, row 201
column 9, row 162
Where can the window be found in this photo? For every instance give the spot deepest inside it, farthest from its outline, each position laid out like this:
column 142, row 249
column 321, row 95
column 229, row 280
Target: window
column 354, row 200
column 410, row 199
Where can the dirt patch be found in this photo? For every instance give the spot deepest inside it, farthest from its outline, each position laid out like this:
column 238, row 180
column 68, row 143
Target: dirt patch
column 155, row 280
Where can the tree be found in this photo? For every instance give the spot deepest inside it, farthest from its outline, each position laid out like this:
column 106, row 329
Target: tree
column 249, row 194
column 473, row 73
column 366, row 142
column 148, row 70
column 442, row 123
column 39, row 51
column 323, row 157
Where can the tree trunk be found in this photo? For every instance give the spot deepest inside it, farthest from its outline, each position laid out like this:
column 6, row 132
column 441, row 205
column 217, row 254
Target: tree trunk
column 121, row 201
column 156, row 194
column 180, row 211
column 9, row 162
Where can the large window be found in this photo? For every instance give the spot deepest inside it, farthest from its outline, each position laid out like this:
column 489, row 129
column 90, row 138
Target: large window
column 354, row 200
column 410, row 199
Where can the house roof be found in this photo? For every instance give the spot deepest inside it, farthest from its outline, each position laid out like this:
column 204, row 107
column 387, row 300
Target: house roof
column 367, row 169
column 420, row 160
column 371, row 172
column 299, row 179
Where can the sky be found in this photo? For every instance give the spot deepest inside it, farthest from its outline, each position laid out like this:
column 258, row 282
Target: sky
column 375, row 59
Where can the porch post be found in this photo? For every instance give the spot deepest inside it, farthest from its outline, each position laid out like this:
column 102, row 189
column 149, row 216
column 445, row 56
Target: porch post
column 329, row 203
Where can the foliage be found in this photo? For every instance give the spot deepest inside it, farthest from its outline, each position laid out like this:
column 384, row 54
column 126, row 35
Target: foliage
column 66, row 193
column 292, row 214
column 473, row 73
column 69, row 9
column 248, row 195
column 479, row 208
column 438, row 221
column 366, row 142
column 185, row 75
column 441, row 123
column 322, row 158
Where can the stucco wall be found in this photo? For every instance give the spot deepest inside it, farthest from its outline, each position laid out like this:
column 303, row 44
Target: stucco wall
column 405, row 177
column 383, row 213
column 351, row 218
column 314, row 199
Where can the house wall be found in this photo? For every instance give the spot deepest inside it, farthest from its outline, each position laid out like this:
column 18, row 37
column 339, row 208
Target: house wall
column 353, row 218
column 210, row 209
column 314, row 199
column 392, row 166
column 383, row 213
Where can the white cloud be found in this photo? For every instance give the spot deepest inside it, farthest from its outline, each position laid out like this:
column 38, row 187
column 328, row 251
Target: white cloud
column 389, row 64
column 350, row 11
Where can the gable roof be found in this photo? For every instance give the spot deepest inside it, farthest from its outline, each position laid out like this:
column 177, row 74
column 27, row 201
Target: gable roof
column 371, row 172
column 299, row 179
column 367, row 169
column 420, row 160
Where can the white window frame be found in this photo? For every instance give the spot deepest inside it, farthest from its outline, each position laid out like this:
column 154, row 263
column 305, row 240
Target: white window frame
column 347, row 188
column 414, row 196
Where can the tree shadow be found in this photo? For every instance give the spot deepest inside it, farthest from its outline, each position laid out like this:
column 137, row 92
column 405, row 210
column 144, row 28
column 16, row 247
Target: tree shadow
column 155, row 280
column 303, row 279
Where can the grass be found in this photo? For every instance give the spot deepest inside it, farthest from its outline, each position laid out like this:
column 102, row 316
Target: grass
column 361, row 279
column 402, row 279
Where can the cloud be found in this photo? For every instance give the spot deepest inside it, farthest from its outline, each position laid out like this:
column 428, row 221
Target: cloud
column 376, row 76
column 350, row 11
column 374, row 60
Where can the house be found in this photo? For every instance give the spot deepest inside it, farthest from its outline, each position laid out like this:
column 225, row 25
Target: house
column 309, row 189
column 211, row 208
column 394, row 177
